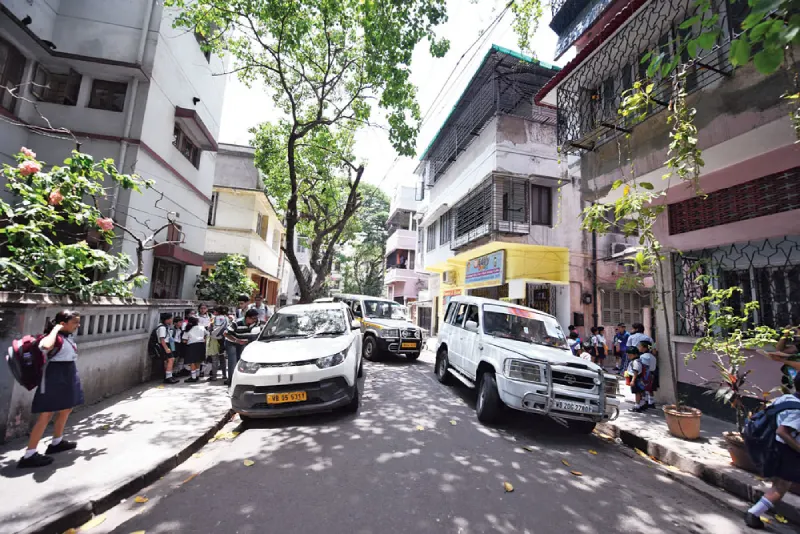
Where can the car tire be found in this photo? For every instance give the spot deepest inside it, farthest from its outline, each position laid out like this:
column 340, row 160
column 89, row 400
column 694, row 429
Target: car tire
column 412, row 357
column 581, row 427
column 246, row 420
column 489, row 406
column 355, row 403
column 442, row 364
column 370, row 349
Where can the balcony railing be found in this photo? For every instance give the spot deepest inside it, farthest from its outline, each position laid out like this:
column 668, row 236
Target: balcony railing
column 500, row 205
column 589, row 99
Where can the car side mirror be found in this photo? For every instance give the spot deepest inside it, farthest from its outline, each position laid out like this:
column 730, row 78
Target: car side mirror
column 471, row 326
column 355, row 325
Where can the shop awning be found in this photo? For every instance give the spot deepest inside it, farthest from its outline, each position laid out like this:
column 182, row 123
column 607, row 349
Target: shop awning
column 532, row 263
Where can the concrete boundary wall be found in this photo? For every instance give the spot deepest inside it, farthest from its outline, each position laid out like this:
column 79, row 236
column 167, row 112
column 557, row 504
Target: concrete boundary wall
column 112, row 346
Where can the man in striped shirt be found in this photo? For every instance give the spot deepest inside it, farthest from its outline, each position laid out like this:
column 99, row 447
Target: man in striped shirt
column 239, row 333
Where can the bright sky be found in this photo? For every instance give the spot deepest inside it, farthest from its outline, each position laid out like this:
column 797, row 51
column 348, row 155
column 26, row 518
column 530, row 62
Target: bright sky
column 245, row 108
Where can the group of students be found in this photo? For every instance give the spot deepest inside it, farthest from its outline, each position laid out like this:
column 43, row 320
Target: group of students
column 214, row 338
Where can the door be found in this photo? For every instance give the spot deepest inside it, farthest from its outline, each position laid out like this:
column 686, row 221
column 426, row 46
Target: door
column 470, row 343
column 358, row 337
column 455, row 352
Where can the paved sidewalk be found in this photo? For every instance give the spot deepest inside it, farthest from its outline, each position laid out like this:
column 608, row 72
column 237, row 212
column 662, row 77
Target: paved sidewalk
column 706, row 458
column 124, row 443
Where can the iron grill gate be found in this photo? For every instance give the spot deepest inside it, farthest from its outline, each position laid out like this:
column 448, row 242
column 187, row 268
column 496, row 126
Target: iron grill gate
column 588, row 100
column 768, row 271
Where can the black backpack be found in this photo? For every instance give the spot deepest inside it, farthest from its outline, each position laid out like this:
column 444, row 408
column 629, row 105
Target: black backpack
column 154, row 347
column 760, row 430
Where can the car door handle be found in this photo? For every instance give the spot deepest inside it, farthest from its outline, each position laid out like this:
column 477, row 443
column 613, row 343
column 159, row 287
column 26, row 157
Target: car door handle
column 480, row 347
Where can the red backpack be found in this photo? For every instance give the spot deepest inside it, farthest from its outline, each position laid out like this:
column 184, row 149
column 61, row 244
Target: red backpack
column 27, row 361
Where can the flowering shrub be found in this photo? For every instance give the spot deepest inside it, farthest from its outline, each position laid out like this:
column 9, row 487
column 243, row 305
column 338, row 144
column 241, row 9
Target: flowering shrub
column 44, row 234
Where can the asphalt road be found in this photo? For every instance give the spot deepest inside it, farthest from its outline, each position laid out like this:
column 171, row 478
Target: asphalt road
column 415, row 459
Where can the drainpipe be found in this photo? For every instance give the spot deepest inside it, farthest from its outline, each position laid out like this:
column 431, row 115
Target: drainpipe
column 126, row 131
column 594, row 278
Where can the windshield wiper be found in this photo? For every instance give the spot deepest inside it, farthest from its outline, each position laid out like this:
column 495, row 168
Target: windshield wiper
column 286, row 336
column 337, row 333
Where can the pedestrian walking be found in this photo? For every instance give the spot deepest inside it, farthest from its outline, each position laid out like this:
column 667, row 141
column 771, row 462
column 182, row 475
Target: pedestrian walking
column 195, row 349
column 242, row 306
column 216, row 344
column 60, row 390
column 621, row 348
column 263, row 311
column 783, row 461
column 641, row 377
column 238, row 335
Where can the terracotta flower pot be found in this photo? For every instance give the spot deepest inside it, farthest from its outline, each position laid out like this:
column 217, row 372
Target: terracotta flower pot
column 739, row 455
column 683, row 422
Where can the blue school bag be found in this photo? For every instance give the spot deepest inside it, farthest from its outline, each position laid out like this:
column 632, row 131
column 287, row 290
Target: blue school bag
column 760, row 431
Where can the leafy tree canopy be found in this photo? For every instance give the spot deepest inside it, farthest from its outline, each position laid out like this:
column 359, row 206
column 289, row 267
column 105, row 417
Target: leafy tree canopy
column 226, row 282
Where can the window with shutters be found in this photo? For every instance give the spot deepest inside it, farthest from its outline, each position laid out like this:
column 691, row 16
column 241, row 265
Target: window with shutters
column 623, row 307
column 12, row 66
column 541, row 205
column 262, row 226
column 108, row 95
column 56, row 88
column 430, row 238
column 444, row 228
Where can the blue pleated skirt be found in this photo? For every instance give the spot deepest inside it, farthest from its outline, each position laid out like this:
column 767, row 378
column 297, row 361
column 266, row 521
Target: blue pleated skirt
column 62, row 388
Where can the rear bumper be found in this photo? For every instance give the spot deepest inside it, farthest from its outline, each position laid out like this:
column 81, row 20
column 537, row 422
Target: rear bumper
column 395, row 346
column 325, row 395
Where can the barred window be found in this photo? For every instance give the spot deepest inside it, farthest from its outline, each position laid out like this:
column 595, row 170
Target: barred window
column 430, row 239
column 768, row 271
column 444, row 228
column 541, row 205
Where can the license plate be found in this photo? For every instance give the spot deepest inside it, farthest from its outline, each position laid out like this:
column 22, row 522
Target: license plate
column 408, row 345
column 573, row 407
column 280, row 398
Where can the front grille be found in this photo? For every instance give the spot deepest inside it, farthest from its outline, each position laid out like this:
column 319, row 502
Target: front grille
column 572, row 380
column 289, row 364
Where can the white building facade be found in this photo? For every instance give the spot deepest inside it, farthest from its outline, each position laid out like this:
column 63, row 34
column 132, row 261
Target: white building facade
column 130, row 87
column 402, row 280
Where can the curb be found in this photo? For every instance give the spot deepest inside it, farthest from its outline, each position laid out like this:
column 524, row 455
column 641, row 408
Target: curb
column 78, row 514
column 712, row 475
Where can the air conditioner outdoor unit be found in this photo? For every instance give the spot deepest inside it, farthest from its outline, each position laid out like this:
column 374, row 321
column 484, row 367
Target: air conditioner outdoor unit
column 618, row 249
column 449, row 277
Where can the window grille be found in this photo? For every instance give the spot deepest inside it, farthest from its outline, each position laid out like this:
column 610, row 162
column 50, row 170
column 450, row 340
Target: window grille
column 444, row 228
column 430, row 241
column 769, row 195
column 768, row 271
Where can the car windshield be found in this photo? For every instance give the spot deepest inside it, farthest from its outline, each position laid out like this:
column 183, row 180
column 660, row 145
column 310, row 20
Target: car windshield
column 522, row 325
column 381, row 309
column 304, row 323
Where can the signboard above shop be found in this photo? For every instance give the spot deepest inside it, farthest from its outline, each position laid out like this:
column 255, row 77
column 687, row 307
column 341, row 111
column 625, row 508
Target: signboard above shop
column 486, row 271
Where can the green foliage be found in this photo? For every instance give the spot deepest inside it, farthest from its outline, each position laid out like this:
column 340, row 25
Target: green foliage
column 527, row 15
column 728, row 335
column 324, row 63
column 226, row 282
column 44, row 234
column 685, row 159
column 363, row 265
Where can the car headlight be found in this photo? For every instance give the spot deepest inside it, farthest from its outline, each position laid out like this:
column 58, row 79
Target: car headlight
column 527, row 371
column 390, row 332
column 612, row 386
column 248, row 367
column 332, row 361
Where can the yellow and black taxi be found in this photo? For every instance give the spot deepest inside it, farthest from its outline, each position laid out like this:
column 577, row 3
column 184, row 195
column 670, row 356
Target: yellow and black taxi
column 385, row 326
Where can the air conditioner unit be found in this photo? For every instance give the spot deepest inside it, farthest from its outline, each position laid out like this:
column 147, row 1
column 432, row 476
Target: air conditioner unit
column 618, row 249
column 449, row 277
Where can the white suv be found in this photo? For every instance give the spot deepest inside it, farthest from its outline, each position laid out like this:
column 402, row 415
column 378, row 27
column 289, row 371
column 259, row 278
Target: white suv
column 518, row 357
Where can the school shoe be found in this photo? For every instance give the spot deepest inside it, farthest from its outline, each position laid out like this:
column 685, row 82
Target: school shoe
column 171, row 380
column 63, row 445
column 212, row 379
column 37, row 460
column 651, row 405
column 191, row 380
column 753, row 521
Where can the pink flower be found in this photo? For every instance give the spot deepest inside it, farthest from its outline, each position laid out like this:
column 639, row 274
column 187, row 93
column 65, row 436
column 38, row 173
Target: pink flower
column 28, row 152
column 105, row 224
column 56, row 197
column 28, row 167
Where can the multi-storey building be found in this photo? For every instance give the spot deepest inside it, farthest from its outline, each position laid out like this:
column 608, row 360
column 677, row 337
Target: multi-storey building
column 744, row 230
column 129, row 87
column 500, row 208
column 242, row 220
column 402, row 279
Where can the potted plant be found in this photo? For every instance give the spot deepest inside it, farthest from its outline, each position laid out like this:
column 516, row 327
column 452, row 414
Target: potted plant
column 731, row 339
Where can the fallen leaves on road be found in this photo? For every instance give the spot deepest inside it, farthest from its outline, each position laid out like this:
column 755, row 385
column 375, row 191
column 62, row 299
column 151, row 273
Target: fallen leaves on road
column 765, row 520
column 106, row 427
column 191, row 477
column 160, row 387
column 673, row 468
column 453, row 422
column 565, row 462
column 219, row 436
column 781, row 519
column 93, row 522
column 641, row 453
column 140, row 499
column 508, row 487
column 420, row 427
column 577, row 473
column 592, row 451
column 248, row 462
column 602, row 435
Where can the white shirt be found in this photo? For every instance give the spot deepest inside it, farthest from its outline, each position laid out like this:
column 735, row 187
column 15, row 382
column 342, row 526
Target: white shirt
column 790, row 418
column 204, row 320
column 600, row 339
column 196, row 335
column 636, row 338
column 263, row 311
column 68, row 351
column 649, row 360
